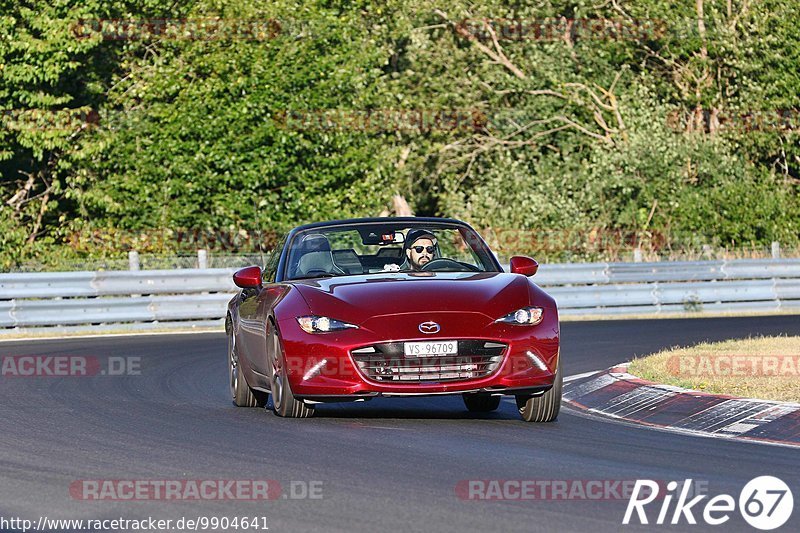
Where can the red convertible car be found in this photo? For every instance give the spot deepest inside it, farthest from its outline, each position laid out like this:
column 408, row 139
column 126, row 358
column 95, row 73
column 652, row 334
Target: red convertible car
column 353, row 309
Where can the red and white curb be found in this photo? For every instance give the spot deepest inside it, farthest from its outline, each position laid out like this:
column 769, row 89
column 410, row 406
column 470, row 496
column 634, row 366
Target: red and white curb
column 617, row 394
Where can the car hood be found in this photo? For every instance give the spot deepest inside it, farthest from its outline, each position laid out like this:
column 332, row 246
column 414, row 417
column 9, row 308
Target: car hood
column 358, row 298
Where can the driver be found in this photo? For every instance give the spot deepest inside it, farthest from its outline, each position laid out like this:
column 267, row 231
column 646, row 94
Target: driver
column 419, row 249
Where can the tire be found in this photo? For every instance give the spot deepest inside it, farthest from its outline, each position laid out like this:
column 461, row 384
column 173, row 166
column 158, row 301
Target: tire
column 284, row 403
column 241, row 393
column 481, row 403
column 542, row 408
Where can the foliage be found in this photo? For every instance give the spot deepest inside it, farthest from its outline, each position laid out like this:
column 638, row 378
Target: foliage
column 668, row 131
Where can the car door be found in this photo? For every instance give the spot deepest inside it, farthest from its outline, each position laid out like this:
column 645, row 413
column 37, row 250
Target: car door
column 255, row 308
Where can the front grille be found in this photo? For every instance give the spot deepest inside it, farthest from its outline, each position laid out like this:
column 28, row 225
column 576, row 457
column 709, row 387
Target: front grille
column 386, row 362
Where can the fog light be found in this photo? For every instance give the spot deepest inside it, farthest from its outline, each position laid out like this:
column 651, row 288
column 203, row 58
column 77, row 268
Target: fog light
column 314, row 370
column 538, row 363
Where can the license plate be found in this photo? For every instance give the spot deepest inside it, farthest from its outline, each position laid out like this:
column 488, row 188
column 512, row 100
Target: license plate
column 430, row 349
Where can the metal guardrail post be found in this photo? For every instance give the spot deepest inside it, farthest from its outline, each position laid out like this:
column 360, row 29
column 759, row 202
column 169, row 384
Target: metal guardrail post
column 133, row 260
column 202, row 259
column 776, row 250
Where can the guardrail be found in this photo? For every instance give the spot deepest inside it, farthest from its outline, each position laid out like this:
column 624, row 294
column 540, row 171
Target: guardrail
column 114, row 299
column 653, row 288
column 192, row 297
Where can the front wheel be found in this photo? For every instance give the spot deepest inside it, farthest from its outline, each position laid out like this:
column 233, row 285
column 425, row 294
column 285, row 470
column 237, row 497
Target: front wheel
column 543, row 408
column 241, row 393
column 284, row 402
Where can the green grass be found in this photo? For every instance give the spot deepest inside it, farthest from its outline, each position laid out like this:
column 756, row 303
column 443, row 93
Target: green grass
column 767, row 368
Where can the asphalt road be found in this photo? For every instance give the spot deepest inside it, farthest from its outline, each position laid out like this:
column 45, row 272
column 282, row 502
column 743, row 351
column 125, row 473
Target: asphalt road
column 385, row 465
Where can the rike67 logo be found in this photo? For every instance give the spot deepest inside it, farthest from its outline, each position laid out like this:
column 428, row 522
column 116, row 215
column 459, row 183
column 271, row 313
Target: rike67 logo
column 765, row 503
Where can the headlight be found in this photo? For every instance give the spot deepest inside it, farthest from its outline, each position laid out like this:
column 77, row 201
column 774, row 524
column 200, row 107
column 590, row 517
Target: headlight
column 322, row 324
column 527, row 316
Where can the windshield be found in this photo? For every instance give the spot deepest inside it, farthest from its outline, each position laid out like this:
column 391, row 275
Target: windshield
column 354, row 249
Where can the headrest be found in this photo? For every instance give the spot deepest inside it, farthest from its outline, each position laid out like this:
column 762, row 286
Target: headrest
column 315, row 242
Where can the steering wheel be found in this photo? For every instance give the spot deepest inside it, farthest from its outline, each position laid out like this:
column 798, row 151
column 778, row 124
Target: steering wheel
column 443, row 264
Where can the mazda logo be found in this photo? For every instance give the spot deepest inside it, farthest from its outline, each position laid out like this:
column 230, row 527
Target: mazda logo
column 429, row 328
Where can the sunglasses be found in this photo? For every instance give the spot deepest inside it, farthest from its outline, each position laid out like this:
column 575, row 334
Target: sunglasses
column 419, row 249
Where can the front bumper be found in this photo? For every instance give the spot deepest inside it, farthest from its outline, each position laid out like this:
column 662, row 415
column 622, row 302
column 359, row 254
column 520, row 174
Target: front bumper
column 322, row 367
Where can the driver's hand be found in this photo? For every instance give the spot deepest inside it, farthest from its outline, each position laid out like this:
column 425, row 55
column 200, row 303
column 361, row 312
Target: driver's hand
column 391, row 267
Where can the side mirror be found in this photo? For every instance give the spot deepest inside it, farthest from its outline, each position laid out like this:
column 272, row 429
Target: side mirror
column 248, row 278
column 526, row 266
